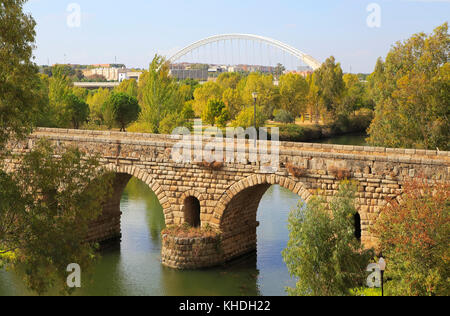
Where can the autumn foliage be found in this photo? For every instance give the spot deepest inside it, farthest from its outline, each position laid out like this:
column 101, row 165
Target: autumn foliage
column 415, row 237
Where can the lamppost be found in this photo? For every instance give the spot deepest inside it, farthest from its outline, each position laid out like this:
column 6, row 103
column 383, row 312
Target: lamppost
column 382, row 265
column 255, row 98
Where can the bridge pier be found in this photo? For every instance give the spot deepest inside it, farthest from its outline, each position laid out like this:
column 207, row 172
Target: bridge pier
column 107, row 227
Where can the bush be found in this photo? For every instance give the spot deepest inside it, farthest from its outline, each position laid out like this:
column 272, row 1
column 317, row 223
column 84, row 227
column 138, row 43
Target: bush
column 246, row 118
column 323, row 253
column 292, row 133
column 414, row 237
column 283, row 116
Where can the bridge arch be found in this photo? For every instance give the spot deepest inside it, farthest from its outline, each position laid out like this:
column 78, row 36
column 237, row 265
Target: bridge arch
column 149, row 180
column 294, row 186
column 307, row 59
column 107, row 227
column 238, row 207
column 186, row 208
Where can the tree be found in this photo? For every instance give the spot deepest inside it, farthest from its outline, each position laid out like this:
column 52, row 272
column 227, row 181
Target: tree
column 212, row 111
column 268, row 94
column 323, row 252
column 279, row 70
column 20, row 98
column 283, row 116
column 313, row 99
column 412, row 91
column 330, row 82
column 229, row 80
column 129, row 87
column 80, row 93
column 233, row 101
column 59, row 89
column 158, row 94
column 355, row 94
column 45, row 211
column 96, row 102
column 125, row 109
column 77, row 110
column 205, row 93
column 188, row 113
column 293, row 94
column 414, row 236
column 246, row 118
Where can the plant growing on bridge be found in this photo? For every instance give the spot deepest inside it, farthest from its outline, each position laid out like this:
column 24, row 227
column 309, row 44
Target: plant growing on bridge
column 415, row 236
column 322, row 252
column 45, row 211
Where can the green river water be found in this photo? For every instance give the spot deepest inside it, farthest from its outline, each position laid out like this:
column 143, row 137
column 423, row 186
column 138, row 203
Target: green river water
column 134, row 267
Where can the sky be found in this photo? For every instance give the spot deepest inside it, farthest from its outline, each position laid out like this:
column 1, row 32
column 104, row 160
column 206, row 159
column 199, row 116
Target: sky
column 355, row 32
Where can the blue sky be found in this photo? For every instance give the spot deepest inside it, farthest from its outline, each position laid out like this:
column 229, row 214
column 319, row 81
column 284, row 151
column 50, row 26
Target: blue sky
column 134, row 30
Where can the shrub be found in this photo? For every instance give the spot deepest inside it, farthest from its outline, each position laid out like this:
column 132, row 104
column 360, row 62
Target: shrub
column 323, row 253
column 283, row 116
column 296, row 171
column 414, row 237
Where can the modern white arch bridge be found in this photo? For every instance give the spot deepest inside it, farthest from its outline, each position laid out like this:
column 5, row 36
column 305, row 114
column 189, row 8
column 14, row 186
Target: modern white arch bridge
column 307, row 59
column 225, row 196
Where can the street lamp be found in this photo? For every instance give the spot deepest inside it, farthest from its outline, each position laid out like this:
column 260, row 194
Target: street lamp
column 255, row 97
column 382, row 265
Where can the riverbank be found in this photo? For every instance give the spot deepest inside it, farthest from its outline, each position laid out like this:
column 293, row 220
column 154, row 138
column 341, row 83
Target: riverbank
column 353, row 125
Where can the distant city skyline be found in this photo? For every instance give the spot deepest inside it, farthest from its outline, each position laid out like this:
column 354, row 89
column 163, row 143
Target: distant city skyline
column 132, row 32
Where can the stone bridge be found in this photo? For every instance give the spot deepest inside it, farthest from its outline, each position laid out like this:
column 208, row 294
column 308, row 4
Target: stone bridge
column 225, row 196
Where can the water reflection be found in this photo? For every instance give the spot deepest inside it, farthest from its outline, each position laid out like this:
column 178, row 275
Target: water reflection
column 134, row 267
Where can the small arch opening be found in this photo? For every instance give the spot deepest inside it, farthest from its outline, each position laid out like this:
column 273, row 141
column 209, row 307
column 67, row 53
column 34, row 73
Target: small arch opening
column 192, row 211
column 357, row 219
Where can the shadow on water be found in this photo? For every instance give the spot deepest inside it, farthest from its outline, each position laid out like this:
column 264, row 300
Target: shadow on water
column 348, row 139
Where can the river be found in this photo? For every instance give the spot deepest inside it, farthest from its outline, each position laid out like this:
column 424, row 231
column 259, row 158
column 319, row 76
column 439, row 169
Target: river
column 134, row 267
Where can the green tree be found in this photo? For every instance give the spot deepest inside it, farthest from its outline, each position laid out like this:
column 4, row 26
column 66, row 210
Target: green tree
column 268, row 94
column 129, row 87
column 96, row 102
column 20, row 97
column 246, row 118
column 414, row 236
column 212, row 111
column 233, row 100
column 412, row 92
column 283, row 116
column 330, row 82
column 76, row 110
column 224, row 117
column 279, row 70
column 124, row 109
column 171, row 122
column 293, row 93
column 229, row 80
column 313, row 99
column 60, row 87
column 203, row 94
column 355, row 96
column 158, row 94
column 323, row 252
column 188, row 113
column 45, row 211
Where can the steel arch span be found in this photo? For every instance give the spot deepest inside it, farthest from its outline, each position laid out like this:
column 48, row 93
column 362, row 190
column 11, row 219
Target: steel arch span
column 307, row 59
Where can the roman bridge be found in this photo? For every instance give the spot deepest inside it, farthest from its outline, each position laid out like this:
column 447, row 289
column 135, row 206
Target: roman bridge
column 224, row 196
